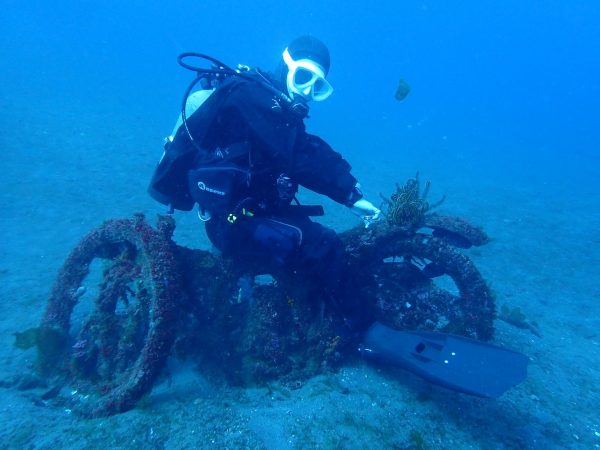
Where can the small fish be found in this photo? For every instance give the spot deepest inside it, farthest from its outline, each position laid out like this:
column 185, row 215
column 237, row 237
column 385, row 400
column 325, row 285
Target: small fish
column 402, row 90
column 27, row 339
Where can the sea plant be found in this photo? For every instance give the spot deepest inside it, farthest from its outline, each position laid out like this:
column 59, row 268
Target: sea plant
column 407, row 206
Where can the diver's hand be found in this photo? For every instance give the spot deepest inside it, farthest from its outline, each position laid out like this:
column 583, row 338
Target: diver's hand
column 368, row 212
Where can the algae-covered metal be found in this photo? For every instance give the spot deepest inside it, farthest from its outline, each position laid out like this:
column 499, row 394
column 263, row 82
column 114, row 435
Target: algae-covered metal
column 243, row 322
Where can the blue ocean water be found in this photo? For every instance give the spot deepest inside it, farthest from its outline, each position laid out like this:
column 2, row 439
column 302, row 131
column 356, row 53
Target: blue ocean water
column 521, row 72
column 502, row 117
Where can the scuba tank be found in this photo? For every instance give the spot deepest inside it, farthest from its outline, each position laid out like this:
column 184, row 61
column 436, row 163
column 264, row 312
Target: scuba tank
column 194, row 101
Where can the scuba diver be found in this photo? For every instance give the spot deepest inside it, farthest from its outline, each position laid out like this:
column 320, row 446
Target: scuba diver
column 240, row 150
column 241, row 156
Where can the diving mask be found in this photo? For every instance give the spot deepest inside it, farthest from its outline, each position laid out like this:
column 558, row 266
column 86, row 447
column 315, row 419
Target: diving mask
column 306, row 79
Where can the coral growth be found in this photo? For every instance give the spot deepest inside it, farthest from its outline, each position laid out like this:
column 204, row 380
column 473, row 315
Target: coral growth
column 516, row 318
column 407, row 206
column 140, row 292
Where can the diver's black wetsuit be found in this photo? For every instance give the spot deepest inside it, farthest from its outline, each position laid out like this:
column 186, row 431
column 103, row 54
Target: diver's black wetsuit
column 242, row 111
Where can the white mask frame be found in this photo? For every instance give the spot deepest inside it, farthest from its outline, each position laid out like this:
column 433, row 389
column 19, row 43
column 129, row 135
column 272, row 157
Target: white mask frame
column 306, row 79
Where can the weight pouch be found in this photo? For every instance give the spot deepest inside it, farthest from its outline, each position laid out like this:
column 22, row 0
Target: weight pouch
column 217, row 187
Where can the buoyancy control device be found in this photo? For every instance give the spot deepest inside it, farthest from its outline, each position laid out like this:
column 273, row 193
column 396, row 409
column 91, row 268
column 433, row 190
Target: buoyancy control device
column 179, row 181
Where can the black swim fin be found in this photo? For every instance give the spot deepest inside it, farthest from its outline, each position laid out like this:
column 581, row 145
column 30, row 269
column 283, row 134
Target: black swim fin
column 454, row 362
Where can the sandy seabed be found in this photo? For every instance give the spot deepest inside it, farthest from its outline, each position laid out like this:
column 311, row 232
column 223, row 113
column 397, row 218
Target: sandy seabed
column 63, row 175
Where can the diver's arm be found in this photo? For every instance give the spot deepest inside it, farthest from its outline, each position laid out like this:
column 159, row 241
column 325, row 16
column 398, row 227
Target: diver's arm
column 321, row 169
